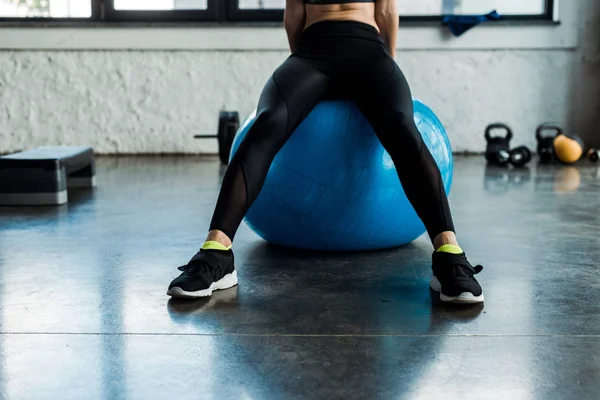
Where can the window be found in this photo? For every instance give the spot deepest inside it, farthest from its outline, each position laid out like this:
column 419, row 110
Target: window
column 434, row 7
column 162, row 10
column 258, row 4
column 430, row 9
column 161, row 5
column 45, row 9
column 508, row 7
column 245, row 10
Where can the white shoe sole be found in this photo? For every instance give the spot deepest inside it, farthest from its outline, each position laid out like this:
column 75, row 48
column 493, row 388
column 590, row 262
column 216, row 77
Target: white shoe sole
column 226, row 282
column 463, row 298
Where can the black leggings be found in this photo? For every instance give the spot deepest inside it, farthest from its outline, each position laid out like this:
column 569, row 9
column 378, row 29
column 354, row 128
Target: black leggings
column 335, row 59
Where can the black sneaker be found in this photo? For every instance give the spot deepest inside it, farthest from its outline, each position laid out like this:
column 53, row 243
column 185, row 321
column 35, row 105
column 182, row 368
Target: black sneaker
column 207, row 271
column 453, row 279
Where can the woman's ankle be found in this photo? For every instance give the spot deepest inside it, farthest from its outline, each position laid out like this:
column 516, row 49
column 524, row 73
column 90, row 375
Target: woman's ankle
column 444, row 238
column 219, row 237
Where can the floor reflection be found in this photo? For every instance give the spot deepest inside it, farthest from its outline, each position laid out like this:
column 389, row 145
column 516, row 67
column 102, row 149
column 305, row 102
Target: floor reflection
column 83, row 306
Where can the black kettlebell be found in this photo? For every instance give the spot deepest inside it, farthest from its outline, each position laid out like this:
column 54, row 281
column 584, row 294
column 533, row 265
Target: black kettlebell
column 498, row 147
column 545, row 146
column 593, row 155
column 520, row 156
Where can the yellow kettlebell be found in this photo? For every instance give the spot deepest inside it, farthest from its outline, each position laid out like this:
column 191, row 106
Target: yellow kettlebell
column 568, row 149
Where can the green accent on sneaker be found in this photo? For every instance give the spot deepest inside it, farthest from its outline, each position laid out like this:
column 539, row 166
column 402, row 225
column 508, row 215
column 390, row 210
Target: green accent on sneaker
column 449, row 248
column 213, row 245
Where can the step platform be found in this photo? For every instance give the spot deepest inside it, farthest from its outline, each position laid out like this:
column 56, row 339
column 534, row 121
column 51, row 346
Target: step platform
column 42, row 175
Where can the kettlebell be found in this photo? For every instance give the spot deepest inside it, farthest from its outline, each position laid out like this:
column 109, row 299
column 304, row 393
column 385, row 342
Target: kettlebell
column 520, row 156
column 593, row 155
column 545, row 142
column 498, row 147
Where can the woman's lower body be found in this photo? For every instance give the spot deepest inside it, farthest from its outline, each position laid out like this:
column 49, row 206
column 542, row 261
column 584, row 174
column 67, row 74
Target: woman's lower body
column 336, row 59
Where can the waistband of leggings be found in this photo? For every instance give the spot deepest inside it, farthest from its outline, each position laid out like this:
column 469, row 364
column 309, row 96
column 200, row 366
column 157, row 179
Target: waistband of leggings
column 337, row 28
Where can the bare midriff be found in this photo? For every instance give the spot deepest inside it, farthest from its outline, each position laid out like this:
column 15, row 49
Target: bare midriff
column 360, row 12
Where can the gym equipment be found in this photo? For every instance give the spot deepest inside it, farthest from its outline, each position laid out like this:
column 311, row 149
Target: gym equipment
column 520, row 156
column 497, row 152
column 333, row 186
column 229, row 123
column 568, row 149
column 545, row 142
column 41, row 176
column 593, row 155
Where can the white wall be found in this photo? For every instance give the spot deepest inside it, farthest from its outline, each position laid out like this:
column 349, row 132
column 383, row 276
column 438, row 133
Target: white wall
column 154, row 101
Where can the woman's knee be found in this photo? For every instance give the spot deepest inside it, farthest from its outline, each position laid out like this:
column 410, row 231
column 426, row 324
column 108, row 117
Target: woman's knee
column 262, row 142
column 274, row 117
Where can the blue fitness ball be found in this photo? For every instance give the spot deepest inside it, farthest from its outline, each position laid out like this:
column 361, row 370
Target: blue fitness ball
column 333, row 186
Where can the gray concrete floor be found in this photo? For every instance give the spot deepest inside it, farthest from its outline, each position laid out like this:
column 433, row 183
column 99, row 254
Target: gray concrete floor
column 84, row 315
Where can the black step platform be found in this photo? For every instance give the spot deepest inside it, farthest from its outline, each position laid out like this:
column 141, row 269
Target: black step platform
column 41, row 176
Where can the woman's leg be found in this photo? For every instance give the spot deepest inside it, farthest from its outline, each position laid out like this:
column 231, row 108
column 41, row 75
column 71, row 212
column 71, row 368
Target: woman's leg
column 288, row 97
column 384, row 97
